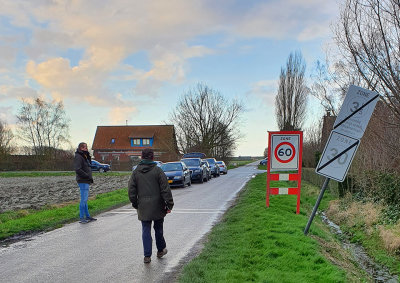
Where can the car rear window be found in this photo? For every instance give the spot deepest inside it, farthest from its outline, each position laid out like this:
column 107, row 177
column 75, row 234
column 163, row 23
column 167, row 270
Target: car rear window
column 191, row 162
column 171, row 167
column 211, row 161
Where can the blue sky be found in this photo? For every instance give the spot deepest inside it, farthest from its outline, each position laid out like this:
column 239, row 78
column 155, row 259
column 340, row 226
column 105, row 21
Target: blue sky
column 112, row 61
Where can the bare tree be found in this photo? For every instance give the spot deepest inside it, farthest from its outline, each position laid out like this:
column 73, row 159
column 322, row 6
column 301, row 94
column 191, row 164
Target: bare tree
column 205, row 121
column 6, row 137
column 312, row 147
column 43, row 125
column 291, row 100
column 368, row 36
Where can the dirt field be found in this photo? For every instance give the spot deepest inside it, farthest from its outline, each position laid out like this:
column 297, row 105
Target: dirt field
column 34, row 192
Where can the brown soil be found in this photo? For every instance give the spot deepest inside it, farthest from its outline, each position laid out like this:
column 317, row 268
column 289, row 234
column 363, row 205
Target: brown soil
column 35, row 192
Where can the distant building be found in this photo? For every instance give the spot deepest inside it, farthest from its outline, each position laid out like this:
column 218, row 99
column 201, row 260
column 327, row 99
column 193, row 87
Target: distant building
column 123, row 144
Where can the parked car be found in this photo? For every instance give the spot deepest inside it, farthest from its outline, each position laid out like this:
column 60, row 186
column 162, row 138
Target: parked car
column 159, row 163
column 214, row 167
column 177, row 173
column 101, row 167
column 199, row 171
column 194, row 155
column 222, row 167
column 263, row 162
column 205, row 163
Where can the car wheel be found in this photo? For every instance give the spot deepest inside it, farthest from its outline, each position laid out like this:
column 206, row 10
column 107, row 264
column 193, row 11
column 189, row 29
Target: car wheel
column 101, row 170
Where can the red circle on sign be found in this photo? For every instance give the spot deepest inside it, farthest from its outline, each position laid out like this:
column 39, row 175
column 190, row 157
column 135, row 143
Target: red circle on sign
column 276, row 152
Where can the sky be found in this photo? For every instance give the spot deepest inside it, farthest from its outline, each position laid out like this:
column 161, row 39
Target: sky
column 128, row 62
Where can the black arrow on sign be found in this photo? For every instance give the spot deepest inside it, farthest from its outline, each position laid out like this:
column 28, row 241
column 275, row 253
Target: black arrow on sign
column 359, row 109
column 337, row 156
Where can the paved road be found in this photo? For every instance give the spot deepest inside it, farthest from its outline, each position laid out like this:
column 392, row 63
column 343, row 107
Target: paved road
column 110, row 249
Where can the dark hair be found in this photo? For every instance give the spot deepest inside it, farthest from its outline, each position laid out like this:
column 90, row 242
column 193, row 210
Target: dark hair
column 147, row 153
column 81, row 144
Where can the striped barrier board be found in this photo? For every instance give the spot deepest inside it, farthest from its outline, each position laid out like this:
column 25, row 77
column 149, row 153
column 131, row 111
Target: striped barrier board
column 284, row 177
column 284, row 154
column 283, row 191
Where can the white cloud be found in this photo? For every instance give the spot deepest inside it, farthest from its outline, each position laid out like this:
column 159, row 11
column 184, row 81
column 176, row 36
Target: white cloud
column 287, row 19
column 107, row 32
column 119, row 115
column 265, row 90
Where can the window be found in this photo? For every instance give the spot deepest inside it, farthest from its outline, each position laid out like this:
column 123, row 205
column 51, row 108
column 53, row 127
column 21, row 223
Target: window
column 146, row 141
column 136, row 141
column 112, row 141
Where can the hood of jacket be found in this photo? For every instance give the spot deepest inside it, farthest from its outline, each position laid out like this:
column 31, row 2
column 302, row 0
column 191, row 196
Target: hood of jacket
column 146, row 166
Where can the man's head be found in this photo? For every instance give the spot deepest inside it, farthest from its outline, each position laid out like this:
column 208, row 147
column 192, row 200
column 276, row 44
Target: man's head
column 83, row 146
column 148, row 153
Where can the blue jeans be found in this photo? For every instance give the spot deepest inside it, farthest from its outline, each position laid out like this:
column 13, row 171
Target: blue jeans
column 83, row 206
column 146, row 236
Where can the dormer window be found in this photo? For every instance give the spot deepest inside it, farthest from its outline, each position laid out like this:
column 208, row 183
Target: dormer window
column 139, row 142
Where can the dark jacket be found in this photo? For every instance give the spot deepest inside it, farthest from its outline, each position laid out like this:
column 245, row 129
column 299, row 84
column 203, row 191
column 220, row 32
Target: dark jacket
column 82, row 167
column 149, row 192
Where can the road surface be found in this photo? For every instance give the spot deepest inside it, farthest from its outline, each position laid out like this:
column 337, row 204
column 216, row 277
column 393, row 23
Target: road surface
column 110, row 249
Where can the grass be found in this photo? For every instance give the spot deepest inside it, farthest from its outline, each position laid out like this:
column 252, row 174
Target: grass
column 237, row 163
column 259, row 244
column 51, row 217
column 361, row 221
column 52, row 174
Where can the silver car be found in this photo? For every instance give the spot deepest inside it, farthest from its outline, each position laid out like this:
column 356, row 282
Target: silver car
column 222, row 167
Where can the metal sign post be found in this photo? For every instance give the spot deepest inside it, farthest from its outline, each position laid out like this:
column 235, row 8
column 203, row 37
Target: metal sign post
column 349, row 127
column 284, row 154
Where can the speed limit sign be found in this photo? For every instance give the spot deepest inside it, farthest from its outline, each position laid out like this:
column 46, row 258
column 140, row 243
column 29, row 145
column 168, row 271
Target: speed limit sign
column 285, row 151
column 284, row 154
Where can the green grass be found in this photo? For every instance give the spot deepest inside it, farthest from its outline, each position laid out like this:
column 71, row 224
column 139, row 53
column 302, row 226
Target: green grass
column 237, row 163
column 51, row 217
column 51, row 174
column 259, row 244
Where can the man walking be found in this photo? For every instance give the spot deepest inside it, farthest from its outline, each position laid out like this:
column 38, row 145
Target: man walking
column 84, row 178
column 150, row 194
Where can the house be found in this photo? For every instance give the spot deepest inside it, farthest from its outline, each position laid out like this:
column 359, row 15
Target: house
column 117, row 145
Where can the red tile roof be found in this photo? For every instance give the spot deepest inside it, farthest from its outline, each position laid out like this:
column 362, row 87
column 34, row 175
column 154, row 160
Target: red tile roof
column 163, row 137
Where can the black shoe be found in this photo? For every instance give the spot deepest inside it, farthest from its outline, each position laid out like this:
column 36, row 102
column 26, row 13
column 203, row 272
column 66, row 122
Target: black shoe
column 90, row 219
column 84, row 221
column 147, row 259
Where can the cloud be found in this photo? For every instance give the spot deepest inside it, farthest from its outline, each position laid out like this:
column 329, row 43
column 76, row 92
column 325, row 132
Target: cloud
column 11, row 92
column 6, row 115
column 287, row 19
column 109, row 32
column 265, row 90
column 119, row 115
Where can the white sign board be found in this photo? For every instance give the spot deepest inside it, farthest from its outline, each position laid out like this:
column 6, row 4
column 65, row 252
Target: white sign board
column 284, row 152
column 337, row 156
column 356, row 111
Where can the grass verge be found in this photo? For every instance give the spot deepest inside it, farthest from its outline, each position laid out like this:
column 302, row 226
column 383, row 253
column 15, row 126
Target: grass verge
column 50, row 217
column 237, row 163
column 255, row 243
column 52, row 174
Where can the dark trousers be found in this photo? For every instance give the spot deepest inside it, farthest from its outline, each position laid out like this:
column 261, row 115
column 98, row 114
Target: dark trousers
column 147, row 239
